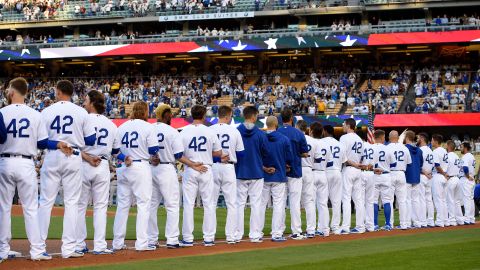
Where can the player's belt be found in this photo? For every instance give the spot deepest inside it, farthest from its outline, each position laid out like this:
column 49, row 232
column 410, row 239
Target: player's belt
column 104, row 158
column 385, row 172
column 15, row 156
column 139, row 160
column 318, row 170
column 165, row 163
column 452, row 176
column 306, row 167
column 228, row 162
column 398, row 171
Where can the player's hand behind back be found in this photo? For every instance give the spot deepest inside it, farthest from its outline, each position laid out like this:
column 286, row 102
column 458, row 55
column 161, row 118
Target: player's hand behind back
column 65, row 148
column 199, row 167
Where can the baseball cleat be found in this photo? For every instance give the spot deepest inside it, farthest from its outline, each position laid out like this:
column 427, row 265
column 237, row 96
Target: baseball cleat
column 310, row 235
column 298, row 237
column 238, row 241
column 279, row 239
column 208, row 243
column 356, row 231
column 387, row 228
column 345, row 232
column 231, row 242
column 83, row 250
column 376, row 228
column 401, row 228
column 148, row 248
column 256, row 240
column 76, row 254
column 156, row 244
column 1, row 260
column 173, row 246
column 124, row 247
column 103, row 252
column 14, row 254
column 337, row 232
column 42, row 257
column 186, row 244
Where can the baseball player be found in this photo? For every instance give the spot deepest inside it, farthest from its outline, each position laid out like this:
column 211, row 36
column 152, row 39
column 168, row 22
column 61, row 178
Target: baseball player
column 200, row 144
column 468, row 183
column 249, row 171
column 24, row 134
column 334, row 176
column 439, row 181
column 68, row 123
column 399, row 183
column 383, row 159
column 96, row 174
column 139, row 142
column 425, row 198
column 368, row 184
column 164, row 179
column 299, row 147
column 412, row 175
column 224, row 170
column 352, row 179
column 454, row 188
column 320, row 187
column 275, row 177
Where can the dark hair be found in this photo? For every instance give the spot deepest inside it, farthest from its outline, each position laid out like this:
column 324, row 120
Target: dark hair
column 467, row 146
column 302, row 125
column 424, row 135
column 438, row 138
column 329, row 130
column 97, row 100
column 379, row 133
column 287, row 115
column 410, row 135
column 223, row 111
column 350, row 122
column 317, row 130
column 198, row 112
column 360, row 133
column 249, row 112
column 66, row 87
column 20, row 85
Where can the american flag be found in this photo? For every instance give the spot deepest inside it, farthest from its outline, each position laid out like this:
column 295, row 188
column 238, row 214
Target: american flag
column 370, row 128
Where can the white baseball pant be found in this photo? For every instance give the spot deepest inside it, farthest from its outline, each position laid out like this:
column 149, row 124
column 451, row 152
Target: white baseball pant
column 20, row 173
column 165, row 185
column 353, row 189
column 369, row 186
column 295, row 197
column 383, row 189
column 135, row 180
column 113, row 192
column 225, row 180
column 308, row 198
column 427, row 209
column 95, row 184
column 399, row 190
column 194, row 182
column 454, row 199
column 413, row 204
column 439, row 192
column 468, row 187
column 252, row 189
column 277, row 191
column 334, row 178
column 321, row 198
column 59, row 169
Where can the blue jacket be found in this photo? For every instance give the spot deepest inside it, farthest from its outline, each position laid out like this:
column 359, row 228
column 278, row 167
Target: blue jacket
column 279, row 155
column 299, row 146
column 250, row 165
column 414, row 169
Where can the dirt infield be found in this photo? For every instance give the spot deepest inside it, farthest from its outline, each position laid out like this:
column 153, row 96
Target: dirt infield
column 221, row 247
column 56, row 212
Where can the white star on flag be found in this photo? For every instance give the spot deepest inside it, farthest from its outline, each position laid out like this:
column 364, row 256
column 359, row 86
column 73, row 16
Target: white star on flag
column 263, row 121
column 476, row 40
column 223, row 40
column 316, row 45
column 201, row 49
column 326, row 36
column 25, row 51
column 272, row 43
column 300, row 40
column 348, row 42
column 1, row 51
column 239, row 46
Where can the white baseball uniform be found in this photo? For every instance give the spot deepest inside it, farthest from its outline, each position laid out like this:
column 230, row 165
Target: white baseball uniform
column 383, row 158
column 224, row 175
column 165, row 185
column 454, row 190
column 368, row 186
column 399, row 182
column 68, row 123
column 199, row 142
column 138, row 141
column 321, row 186
column 96, row 182
column 334, row 177
column 468, row 187
column 439, row 187
column 308, row 182
column 352, row 183
column 25, row 129
column 425, row 199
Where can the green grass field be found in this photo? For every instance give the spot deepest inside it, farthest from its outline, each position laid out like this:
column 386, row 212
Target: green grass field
column 457, row 249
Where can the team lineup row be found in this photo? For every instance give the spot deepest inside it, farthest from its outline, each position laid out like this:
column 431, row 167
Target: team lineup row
column 306, row 164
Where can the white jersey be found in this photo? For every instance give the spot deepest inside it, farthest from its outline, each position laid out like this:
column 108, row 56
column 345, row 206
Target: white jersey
column 168, row 141
column 199, row 142
column 24, row 129
column 453, row 168
column 136, row 136
column 337, row 154
column 312, row 152
column 402, row 156
column 230, row 140
column 367, row 157
column 325, row 154
column 383, row 157
column 428, row 163
column 353, row 147
column 440, row 158
column 68, row 123
column 468, row 160
column 106, row 136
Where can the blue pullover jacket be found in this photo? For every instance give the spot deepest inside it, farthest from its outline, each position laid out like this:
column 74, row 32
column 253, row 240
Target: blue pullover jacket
column 280, row 155
column 250, row 165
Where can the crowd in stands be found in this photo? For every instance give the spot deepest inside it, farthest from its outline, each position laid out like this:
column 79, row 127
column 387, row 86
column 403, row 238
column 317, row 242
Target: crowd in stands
column 460, row 20
column 35, row 9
